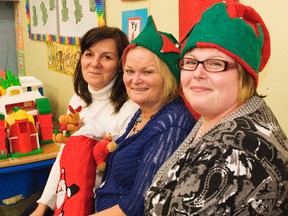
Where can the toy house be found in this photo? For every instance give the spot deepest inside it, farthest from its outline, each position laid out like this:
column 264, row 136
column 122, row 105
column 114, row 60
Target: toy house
column 22, row 133
column 31, row 122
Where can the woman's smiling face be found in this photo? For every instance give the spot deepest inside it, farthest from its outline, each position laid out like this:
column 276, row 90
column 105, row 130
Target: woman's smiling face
column 99, row 63
column 144, row 83
column 210, row 93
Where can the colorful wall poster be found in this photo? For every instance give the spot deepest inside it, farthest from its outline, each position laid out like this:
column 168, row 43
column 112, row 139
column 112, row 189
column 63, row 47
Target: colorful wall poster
column 19, row 37
column 18, row 13
column 63, row 21
column 62, row 58
column 78, row 15
column 43, row 17
column 133, row 22
column 21, row 63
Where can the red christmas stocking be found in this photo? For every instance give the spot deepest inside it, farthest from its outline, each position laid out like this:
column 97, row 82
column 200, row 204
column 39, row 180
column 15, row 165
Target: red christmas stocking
column 77, row 180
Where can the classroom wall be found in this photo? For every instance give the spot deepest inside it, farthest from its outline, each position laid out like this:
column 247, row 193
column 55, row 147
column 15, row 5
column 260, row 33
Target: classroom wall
column 273, row 80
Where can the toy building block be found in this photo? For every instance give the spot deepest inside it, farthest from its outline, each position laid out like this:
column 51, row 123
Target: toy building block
column 43, row 106
column 2, row 91
column 3, row 138
column 30, row 83
column 2, row 74
column 13, row 81
column 22, row 134
column 44, row 120
column 9, row 81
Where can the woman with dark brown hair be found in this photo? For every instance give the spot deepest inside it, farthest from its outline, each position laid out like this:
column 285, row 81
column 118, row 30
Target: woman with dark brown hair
column 99, row 89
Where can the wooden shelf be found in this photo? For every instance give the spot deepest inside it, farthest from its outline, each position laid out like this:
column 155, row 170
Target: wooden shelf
column 49, row 151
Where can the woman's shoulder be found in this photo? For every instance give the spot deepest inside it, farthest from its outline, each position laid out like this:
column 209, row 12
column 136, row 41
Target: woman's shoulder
column 130, row 106
column 76, row 101
column 178, row 108
column 176, row 113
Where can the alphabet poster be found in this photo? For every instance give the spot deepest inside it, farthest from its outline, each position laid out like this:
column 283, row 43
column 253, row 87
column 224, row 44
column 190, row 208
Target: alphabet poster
column 133, row 22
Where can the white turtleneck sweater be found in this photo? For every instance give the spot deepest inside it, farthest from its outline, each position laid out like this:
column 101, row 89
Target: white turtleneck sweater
column 98, row 119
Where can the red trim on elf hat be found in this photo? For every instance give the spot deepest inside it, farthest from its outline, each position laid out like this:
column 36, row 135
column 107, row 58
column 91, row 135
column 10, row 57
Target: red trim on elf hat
column 130, row 46
column 168, row 46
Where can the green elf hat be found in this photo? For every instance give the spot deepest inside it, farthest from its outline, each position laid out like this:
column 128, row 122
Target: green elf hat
column 235, row 29
column 163, row 44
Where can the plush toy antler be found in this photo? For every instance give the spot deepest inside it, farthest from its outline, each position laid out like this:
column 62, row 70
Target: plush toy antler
column 77, row 110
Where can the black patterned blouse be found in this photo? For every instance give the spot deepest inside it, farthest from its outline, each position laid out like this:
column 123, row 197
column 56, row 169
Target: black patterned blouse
column 239, row 167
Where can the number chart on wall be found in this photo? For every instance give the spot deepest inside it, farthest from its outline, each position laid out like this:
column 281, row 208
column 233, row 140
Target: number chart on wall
column 63, row 21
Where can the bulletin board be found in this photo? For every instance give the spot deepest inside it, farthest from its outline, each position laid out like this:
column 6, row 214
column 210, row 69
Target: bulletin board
column 63, row 21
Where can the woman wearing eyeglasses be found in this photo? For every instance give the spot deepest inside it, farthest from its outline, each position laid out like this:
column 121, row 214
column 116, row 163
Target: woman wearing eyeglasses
column 235, row 160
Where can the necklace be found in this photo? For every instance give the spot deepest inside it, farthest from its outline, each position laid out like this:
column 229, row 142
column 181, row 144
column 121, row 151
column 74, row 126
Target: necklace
column 139, row 119
column 137, row 122
column 134, row 129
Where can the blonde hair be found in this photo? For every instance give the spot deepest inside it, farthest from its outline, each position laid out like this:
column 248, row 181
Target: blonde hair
column 171, row 88
column 247, row 86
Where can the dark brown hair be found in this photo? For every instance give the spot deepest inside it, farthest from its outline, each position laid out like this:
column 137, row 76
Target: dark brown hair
column 119, row 95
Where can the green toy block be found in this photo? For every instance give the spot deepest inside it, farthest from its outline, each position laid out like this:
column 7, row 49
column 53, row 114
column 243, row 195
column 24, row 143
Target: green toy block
column 43, row 106
column 10, row 80
column 35, row 151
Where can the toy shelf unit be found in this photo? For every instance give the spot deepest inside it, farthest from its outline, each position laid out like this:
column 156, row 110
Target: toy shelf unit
column 25, row 124
column 21, row 177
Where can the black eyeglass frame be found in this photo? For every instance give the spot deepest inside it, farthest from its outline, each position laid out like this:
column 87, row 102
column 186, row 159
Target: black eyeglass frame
column 227, row 65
